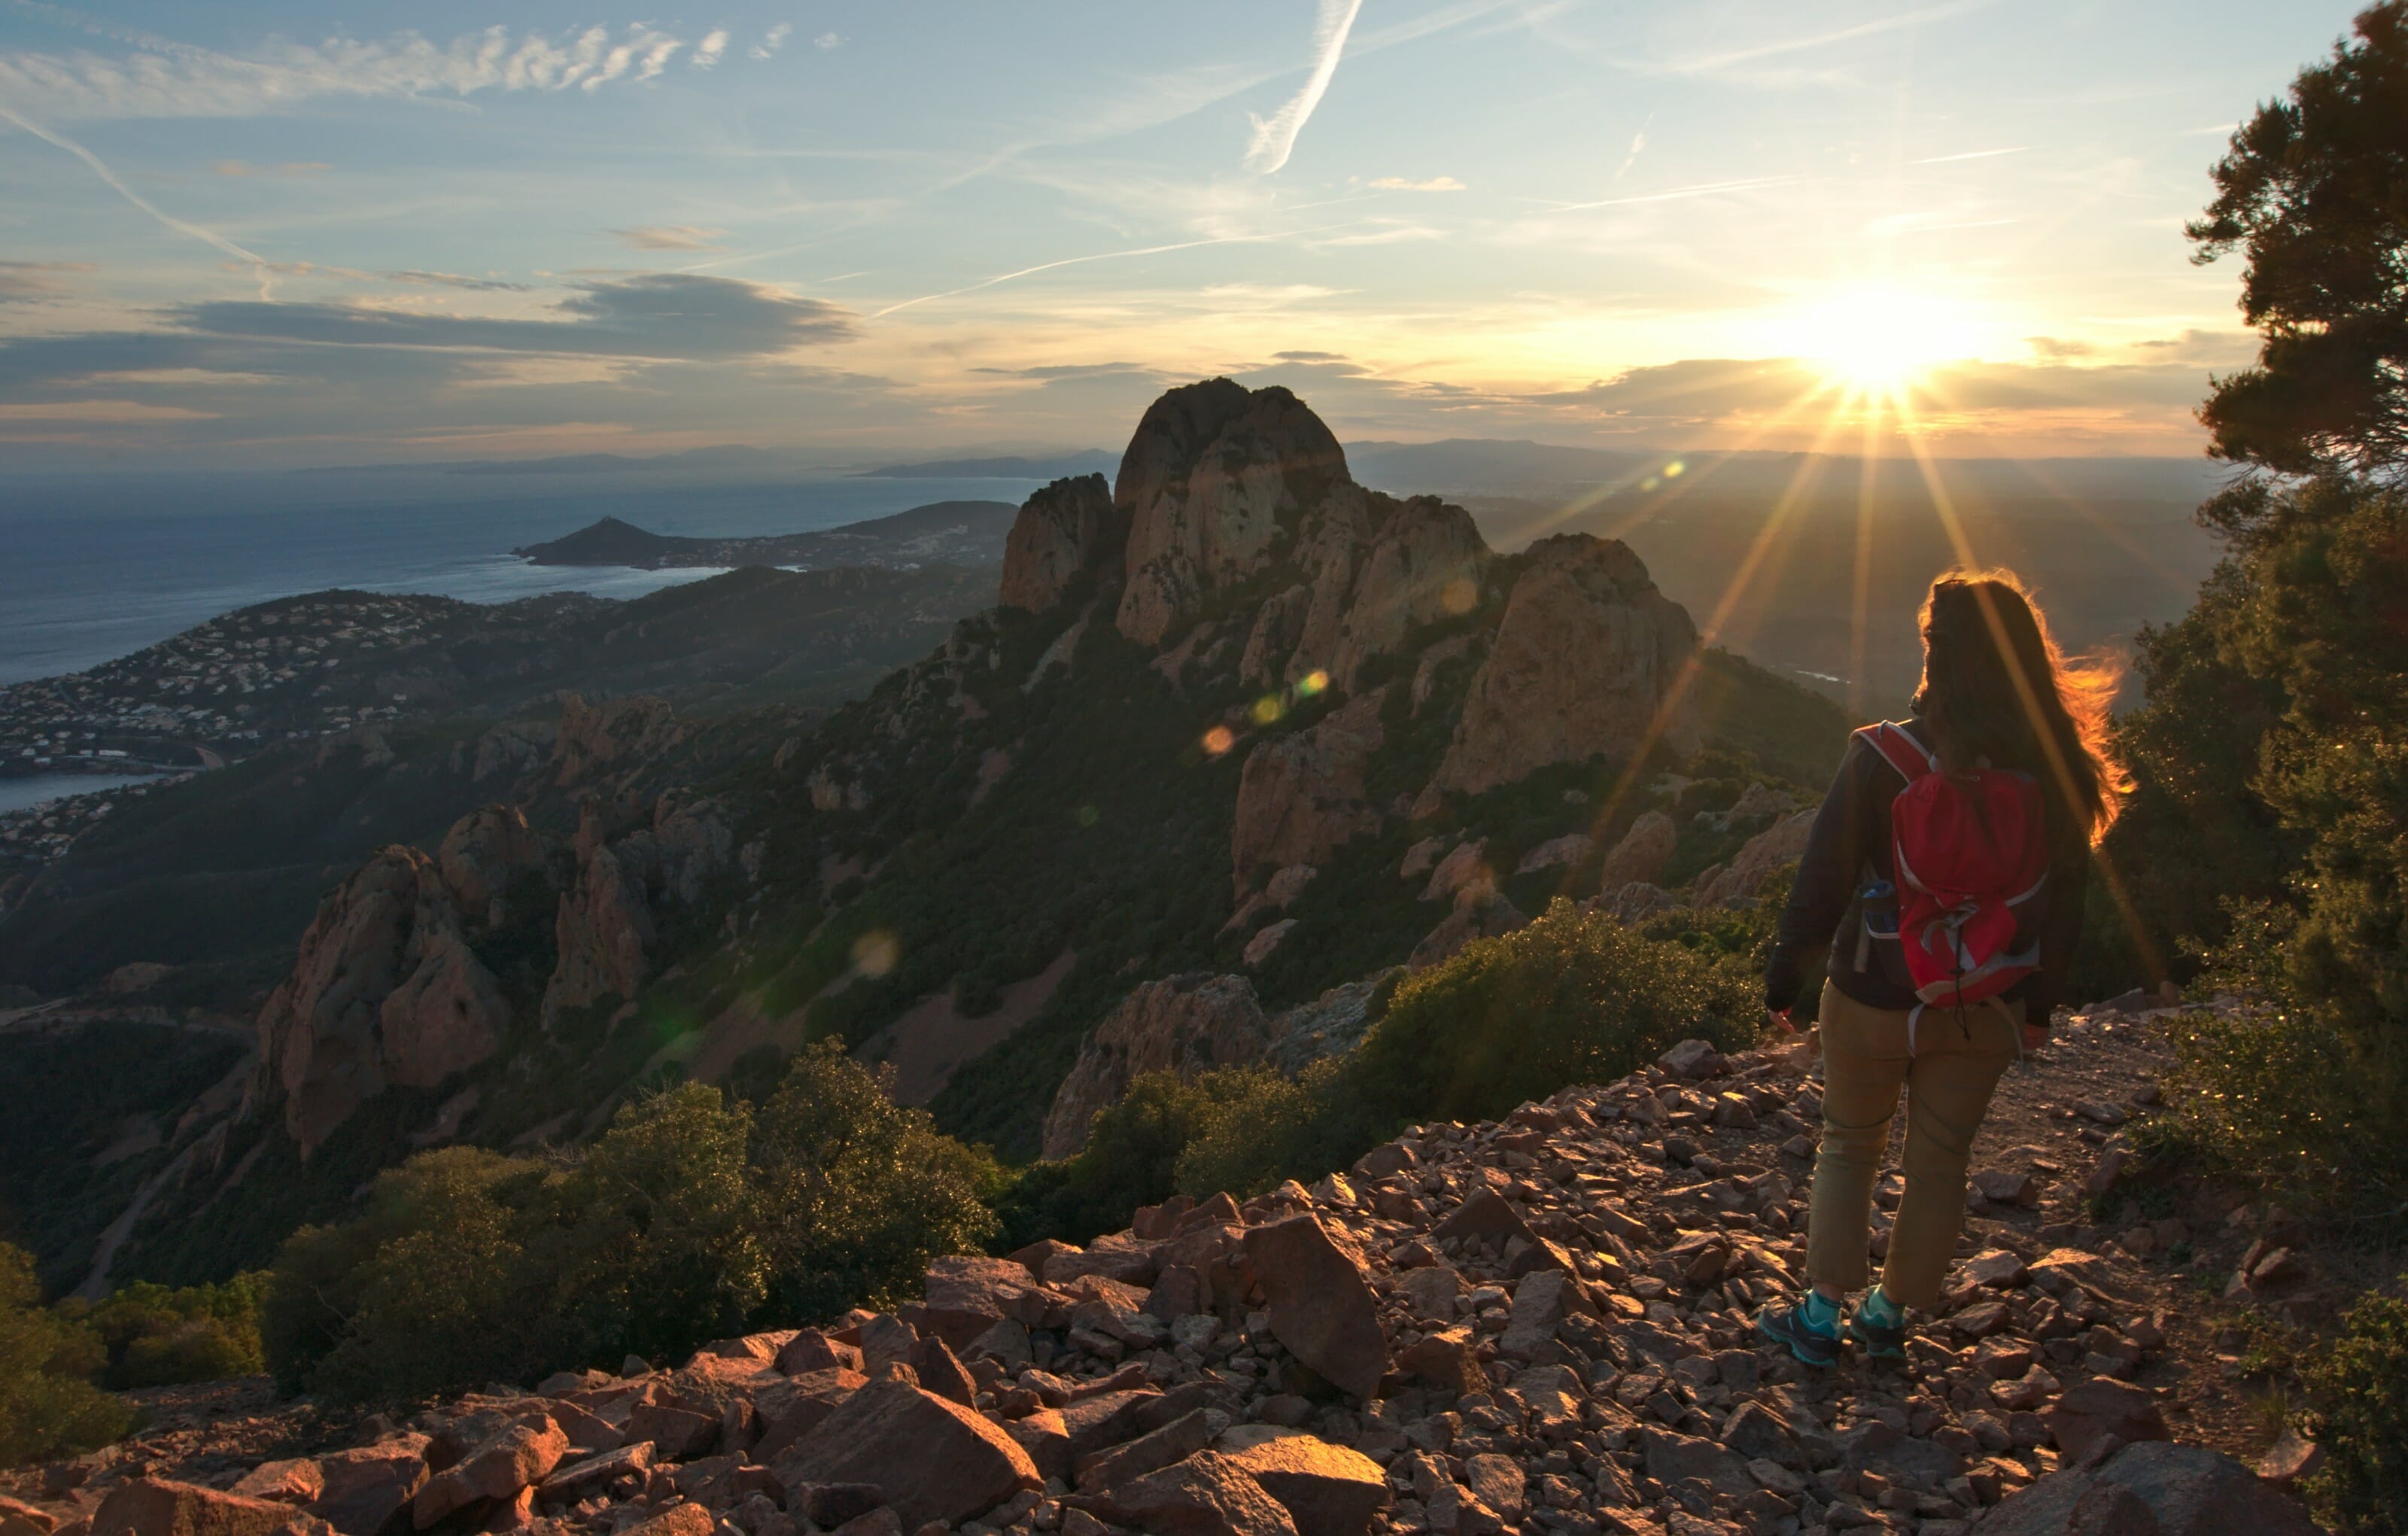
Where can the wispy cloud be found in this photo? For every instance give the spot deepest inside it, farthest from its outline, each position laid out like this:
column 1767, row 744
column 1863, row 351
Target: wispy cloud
column 670, row 237
column 1705, row 64
column 705, row 52
column 1637, row 144
column 772, row 40
column 1274, row 137
column 1436, row 183
column 288, row 167
column 33, row 282
column 1674, row 194
column 828, row 40
column 164, row 79
column 1969, row 154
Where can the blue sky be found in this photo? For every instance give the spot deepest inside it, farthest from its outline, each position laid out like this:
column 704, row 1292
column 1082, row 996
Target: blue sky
column 253, row 234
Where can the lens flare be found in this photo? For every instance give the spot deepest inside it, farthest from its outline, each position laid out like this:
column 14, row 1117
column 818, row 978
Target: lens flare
column 1459, row 596
column 875, row 953
column 1312, row 683
column 1219, row 739
column 1267, row 710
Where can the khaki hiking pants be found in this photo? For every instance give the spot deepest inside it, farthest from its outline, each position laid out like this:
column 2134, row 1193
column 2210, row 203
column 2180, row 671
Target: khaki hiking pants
column 1948, row 1080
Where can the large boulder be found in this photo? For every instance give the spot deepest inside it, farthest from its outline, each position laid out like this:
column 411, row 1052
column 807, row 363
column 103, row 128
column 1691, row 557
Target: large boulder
column 1300, row 796
column 1186, row 1023
column 1642, row 854
column 384, row 990
column 1322, row 1308
column 1783, row 842
column 1327, row 1490
column 1215, row 481
column 1206, row 1495
column 156, row 1506
column 603, row 933
column 1068, row 529
column 520, row 1457
column 933, row 1461
column 2188, row 1490
column 1586, row 662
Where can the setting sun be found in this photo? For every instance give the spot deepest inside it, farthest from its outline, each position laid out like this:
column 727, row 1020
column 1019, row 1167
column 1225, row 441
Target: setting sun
column 1882, row 339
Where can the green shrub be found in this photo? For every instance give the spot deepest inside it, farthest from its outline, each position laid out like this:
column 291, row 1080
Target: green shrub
column 2357, row 1393
column 2281, row 1096
column 159, row 1337
column 1573, row 998
column 48, row 1406
column 693, row 1216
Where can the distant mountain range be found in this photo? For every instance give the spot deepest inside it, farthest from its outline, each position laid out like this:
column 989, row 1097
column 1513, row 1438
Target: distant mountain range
column 1092, row 461
column 959, row 532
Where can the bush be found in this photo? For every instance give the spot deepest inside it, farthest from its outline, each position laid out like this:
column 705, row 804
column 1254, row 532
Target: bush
column 2357, row 1390
column 693, row 1216
column 2280, row 1094
column 1573, row 998
column 48, row 1407
column 158, row 1337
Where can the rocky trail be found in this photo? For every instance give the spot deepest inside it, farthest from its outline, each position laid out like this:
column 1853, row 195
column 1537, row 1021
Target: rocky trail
column 1541, row 1325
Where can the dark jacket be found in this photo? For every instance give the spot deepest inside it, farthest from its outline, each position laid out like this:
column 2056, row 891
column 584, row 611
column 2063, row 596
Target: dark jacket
column 1850, row 846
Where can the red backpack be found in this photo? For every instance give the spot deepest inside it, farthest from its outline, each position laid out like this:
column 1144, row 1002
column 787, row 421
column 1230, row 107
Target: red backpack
column 1972, row 851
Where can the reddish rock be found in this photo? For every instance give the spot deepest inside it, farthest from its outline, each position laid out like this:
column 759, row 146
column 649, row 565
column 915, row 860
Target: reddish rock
column 1045, row 1436
column 523, row 1455
column 1449, row 1358
column 1068, row 529
column 151, row 1506
column 677, row 1520
column 2090, row 1410
column 1642, row 854
column 811, row 1350
column 1186, row 1023
column 933, row 1459
column 1207, row 1494
column 366, row 1490
column 676, row 1432
column 1780, row 843
column 1176, row 1441
column 1328, row 1490
column 1300, row 796
column 600, row 1470
column 1321, row 1307
column 1582, row 664
column 967, row 1294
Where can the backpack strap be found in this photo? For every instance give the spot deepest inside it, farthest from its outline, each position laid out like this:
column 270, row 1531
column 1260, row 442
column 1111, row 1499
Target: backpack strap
column 1899, row 751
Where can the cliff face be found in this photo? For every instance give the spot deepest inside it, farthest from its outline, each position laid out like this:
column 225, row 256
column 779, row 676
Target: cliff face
column 1367, row 660
column 386, row 991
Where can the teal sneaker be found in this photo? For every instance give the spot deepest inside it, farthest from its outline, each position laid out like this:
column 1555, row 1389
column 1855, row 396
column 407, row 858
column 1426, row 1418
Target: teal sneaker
column 1878, row 1327
column 1808, row 1330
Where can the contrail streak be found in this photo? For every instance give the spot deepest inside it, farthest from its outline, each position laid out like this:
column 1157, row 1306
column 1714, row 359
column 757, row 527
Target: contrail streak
column 101, row 170
column 1275, row 136
column 1099, row 257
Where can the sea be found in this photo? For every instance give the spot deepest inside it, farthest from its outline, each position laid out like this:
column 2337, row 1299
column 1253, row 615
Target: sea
column 96, row 565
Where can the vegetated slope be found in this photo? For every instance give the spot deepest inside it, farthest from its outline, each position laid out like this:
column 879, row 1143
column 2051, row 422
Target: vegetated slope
column 1217, row 713
column 227, row 867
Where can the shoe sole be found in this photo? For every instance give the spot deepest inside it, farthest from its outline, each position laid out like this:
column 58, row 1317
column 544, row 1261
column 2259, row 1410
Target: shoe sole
column 1790, row 1345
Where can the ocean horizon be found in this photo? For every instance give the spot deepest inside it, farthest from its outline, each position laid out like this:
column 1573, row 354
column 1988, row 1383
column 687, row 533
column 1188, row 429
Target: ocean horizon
column 100, row 565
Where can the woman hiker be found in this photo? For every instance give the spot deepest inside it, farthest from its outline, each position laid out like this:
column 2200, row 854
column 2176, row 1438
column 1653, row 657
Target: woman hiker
column 1945, row 874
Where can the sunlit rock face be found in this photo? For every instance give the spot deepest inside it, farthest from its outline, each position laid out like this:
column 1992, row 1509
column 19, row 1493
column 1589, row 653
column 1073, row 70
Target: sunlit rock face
column 385, row 990
column 1069, row 528
column 1586, row 660
column 1215, row 483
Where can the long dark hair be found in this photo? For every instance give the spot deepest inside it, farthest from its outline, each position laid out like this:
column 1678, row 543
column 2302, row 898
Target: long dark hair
column 1995, row 686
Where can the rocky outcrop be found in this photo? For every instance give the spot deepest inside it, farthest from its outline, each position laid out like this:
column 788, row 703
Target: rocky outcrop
column 385, row 990
column 605, row 927
column 484, row 854
column 1584, row 664
column 1479, row 913
column 1300, row 796
column 1070, row 527
column 1424, row 564
column 1642, row 854
column 1783, row 842
column 1214, row 482
column 616, row 734
column 1185, row 1024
